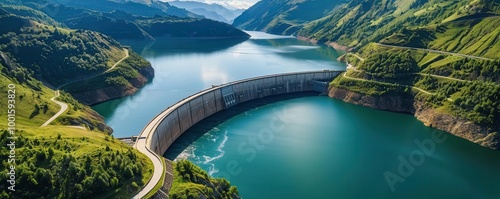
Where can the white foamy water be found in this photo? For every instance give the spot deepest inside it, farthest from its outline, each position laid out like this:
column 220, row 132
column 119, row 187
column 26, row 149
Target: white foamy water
column 188, row 153
column 209, row 160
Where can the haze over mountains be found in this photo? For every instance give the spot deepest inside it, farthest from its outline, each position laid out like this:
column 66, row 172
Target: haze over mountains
column 284, row 17
column 230, row 4
column 211, row 11
column 436, row 59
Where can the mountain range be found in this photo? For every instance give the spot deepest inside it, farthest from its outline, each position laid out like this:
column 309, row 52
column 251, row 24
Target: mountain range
column 119, row 23
column 435, row 59
column 211, row 11
column 135, row 7
column 451, row 25
column 284, row 17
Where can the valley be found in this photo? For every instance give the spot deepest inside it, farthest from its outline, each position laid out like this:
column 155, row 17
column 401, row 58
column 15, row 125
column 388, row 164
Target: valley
column 79, row 74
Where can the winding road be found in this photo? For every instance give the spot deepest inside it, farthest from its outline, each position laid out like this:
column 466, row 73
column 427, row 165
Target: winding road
column 444, row 77
column 64, row 106
column 406, row 86
column 357, row 56
column 119, row 61
column 436, row 51
column 112, row 67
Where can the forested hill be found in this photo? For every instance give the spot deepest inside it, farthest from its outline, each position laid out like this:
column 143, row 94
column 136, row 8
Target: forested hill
column 122, row 24
column 462, row 26
column 74, row 156
column 53, row 54
column 143, row 8
column 283, row 16
column 468, row 27
column 435, row 59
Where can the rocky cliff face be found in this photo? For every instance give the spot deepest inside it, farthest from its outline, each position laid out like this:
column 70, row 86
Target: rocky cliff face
column 484, row 136
column 91, row 97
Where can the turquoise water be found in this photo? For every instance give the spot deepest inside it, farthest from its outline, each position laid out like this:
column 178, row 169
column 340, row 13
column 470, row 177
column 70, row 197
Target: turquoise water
column 186, row 66
column 317, row 147
column 312, row 147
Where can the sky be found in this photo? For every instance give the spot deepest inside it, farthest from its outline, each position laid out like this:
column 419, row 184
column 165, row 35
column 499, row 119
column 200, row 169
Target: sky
column 233, row 3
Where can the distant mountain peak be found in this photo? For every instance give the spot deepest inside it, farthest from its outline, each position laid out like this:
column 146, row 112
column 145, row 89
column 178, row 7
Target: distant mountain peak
column 212, row 11
column 229, row 4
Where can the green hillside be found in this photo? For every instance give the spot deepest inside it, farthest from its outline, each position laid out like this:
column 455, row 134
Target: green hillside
column 75, row 156
column 60, row 161
column 439, row 56
column 192, row 182
column 123, row 24
column 458, row 86
column 142, row 8
column 462, row 26
column 53, row 54
column 283, row 16
column 204, row 28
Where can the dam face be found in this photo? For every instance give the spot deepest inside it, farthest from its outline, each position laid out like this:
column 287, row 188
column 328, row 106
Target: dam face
column 165, row 128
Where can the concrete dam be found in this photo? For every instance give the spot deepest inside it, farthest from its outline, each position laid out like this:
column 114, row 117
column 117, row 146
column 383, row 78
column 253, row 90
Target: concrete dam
column 166, row 127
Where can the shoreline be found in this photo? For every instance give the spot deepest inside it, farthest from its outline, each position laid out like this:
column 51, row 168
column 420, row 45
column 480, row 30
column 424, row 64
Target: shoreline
column 334, row 45
column 465, row 129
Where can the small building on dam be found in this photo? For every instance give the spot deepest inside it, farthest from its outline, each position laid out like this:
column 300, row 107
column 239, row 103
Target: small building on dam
column 166, row 127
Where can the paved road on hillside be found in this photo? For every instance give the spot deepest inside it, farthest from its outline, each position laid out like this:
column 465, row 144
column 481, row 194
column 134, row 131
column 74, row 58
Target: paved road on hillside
column 63, row 105
column 436, row 51
column 112, row 67
column 141, row 145
column 119, row 61
column 362, row 59
column 407, row 86
column 444, row 77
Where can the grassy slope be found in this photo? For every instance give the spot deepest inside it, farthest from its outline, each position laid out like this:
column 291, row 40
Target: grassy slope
column 283, row 16
column 59, row 161
column 57, row 55
column 77, row 143
column 122, row 73
column 469, row 27
column 447, row 93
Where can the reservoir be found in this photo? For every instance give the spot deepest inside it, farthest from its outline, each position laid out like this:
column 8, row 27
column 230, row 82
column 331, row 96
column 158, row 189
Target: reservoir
column 318, row 147
column 305, row 146
column 186, row 66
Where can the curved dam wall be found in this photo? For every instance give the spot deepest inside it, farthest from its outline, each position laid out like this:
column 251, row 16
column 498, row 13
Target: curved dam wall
column 165, row 128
